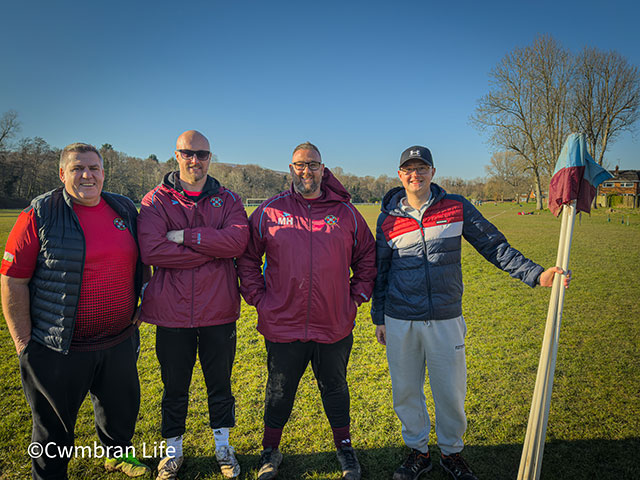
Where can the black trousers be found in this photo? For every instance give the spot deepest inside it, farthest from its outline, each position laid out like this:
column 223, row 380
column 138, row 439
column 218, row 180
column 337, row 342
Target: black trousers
column 56, row 385
column 176, row 349
column 286, row 363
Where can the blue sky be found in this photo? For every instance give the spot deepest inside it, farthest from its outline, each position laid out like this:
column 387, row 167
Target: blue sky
column 361, row 80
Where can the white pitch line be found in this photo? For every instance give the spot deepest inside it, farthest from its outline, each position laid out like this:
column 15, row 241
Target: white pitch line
column 497, row 214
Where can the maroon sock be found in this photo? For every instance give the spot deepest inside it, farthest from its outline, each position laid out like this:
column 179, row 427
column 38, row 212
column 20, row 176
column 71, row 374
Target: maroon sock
column 271, row 437
column 341, row 437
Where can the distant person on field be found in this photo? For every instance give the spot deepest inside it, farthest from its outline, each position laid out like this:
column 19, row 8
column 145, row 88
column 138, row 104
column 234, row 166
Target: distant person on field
column 190, row 229
column 417, row 305
column 71, row 277
column 307, row 298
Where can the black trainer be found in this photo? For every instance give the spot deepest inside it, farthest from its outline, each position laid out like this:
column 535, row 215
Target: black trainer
column 270, row 460
column 349, row 463
column 455, row 466
column 415, row 465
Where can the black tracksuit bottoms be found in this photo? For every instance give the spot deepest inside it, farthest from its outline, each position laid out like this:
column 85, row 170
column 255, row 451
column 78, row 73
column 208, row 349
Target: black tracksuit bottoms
column 286, row 363
column 56, row 385
column 176, row 349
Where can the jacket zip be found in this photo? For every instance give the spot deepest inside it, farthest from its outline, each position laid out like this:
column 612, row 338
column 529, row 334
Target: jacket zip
column 193, row 272
column 426, row 260
column 426, row 267
column 306, row 325
column 84, row 256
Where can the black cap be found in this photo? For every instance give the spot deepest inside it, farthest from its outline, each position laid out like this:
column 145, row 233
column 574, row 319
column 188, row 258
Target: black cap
column 416, row 153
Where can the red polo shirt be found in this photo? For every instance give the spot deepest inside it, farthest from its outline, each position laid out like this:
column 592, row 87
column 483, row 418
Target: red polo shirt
column 107, row 296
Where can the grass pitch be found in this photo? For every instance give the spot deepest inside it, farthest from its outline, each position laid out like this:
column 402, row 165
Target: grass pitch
column 594, row 423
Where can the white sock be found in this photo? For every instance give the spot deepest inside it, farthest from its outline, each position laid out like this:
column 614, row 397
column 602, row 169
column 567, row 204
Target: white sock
column 176, row 443
column 221, row 437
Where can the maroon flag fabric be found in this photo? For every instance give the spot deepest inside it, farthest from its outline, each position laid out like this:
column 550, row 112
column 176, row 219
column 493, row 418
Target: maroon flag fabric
column 576, row 176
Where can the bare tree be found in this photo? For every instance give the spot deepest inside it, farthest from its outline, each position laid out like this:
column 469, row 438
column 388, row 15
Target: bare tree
column 38, row 167
column 494, row 189
column 509, row 175
column 455, row 185
column 525, row 113
column 9, row 126
column 606, row 100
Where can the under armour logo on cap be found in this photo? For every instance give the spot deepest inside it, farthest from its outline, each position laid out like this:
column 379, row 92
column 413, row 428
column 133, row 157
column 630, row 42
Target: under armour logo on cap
column 417, row 153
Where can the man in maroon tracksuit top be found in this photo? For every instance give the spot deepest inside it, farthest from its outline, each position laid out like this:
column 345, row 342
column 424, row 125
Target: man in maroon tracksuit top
column 312, row 235
column 190, row 229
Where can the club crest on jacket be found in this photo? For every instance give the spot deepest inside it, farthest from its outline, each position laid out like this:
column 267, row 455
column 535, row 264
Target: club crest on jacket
column 330, row 219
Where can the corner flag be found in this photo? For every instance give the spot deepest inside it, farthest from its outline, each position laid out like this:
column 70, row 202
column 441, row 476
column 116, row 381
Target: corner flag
column 576, row 176
column 572, row 188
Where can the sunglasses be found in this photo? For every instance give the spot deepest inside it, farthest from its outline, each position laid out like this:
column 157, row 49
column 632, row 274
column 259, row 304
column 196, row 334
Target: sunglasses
column 201, row 154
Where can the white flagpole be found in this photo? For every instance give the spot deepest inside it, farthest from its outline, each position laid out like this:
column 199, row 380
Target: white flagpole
column 531, row 460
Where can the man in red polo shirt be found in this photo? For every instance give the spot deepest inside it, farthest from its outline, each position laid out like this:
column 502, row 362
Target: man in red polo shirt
column 71, row 276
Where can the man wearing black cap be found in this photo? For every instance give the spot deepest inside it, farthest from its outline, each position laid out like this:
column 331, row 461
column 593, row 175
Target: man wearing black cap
column 417, row 305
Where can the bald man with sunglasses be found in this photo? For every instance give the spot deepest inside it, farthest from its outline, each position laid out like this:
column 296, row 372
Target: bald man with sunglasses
column 191, row 229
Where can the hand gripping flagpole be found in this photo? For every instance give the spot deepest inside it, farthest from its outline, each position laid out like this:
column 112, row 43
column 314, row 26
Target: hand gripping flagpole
column 531, row 460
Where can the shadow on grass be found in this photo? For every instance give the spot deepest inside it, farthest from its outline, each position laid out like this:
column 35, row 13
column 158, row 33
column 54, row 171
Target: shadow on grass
column 563, row 460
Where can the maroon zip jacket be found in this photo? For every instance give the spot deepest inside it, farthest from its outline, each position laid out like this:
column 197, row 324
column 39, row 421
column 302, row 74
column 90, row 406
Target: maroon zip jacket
column 195, row 283
column 307, row 291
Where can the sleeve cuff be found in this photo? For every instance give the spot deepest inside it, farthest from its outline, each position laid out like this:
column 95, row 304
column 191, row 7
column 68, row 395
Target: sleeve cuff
column 191, row 237
column 377, row 318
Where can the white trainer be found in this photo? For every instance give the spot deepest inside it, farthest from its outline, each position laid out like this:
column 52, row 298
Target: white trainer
column 168, row 468
column 229, row 465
